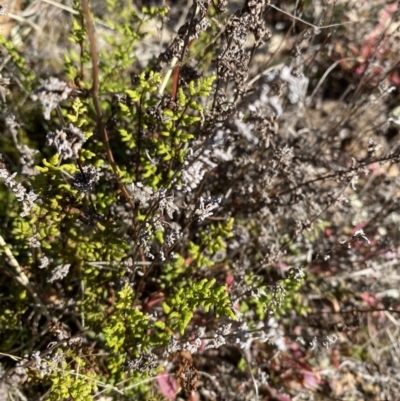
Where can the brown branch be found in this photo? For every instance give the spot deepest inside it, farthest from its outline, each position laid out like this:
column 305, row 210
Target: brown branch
column 96, row 102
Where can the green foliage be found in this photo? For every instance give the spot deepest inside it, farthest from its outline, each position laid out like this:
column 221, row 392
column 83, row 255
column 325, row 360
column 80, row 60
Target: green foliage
column 212, row 239
column 181, row 305
column 26, row 75
column 129, row 291
column 280, row 298
column 174, row 271
column 171, row 128
column 130, row 323
column 68, row 384
column 11, row 313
